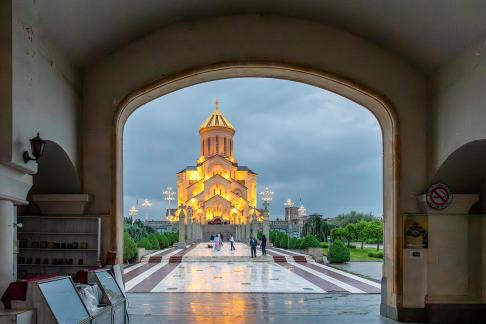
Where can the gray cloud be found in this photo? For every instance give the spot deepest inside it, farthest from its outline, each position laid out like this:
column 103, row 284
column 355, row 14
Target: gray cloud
column 304, row 142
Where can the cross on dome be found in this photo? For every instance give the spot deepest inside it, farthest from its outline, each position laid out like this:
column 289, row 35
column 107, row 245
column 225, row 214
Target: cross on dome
column 216, row 119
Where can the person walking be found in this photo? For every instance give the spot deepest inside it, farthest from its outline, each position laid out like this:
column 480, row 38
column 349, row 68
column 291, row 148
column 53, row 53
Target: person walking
column 253, row 246
column 232, row 242
column 264, row 244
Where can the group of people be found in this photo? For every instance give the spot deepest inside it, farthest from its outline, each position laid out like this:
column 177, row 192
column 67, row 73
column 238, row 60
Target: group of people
column 254, row 244
column 217, row 244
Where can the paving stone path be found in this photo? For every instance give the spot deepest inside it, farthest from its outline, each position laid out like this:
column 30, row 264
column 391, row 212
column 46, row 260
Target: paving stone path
column 193, row 270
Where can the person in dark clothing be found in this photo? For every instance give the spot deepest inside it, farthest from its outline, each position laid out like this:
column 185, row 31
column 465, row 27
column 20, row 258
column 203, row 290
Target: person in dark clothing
column 264, row 244
column 253, row 246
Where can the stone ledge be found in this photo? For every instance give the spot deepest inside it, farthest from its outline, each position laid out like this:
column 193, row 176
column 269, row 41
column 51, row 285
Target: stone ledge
column 62, row 204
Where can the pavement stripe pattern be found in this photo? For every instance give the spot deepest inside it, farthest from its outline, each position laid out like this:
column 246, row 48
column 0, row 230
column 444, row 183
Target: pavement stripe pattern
column 155, row 273
column 148, row 276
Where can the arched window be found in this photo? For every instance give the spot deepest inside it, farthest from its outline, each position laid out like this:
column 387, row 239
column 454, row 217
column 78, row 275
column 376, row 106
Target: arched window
column 217, row 144
column 209, row 146
column 231, row 147
column 225, row 148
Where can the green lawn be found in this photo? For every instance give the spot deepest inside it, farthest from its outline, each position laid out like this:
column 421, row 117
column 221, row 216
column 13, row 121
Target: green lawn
column 359, row 255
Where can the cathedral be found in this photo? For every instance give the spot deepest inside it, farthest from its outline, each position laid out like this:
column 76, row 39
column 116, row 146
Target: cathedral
column 218, row 190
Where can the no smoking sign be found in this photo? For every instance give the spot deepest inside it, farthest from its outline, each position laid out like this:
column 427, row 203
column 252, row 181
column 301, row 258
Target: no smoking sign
column 439, row 196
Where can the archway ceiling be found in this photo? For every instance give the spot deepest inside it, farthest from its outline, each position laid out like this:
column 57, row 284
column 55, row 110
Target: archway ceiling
column 425, row 33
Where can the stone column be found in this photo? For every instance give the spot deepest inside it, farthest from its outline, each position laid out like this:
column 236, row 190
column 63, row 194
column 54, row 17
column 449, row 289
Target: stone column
column 190, row 238
column 247, row 231
column 182, row 230
column 254, row 227
column 237, row 233
column 7, row 212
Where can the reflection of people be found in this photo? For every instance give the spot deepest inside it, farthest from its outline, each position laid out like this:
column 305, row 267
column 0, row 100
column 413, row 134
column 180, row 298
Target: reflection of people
column 232, row 242
column 264, row 244
column 218, row 243
column 253, row 246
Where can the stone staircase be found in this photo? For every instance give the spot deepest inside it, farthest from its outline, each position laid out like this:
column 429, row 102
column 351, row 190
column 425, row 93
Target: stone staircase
column 292, row 258
column 279, row 259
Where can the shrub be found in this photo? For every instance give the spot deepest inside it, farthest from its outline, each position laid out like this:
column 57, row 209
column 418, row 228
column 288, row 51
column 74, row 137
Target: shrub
column 154, row 241
column 295, row 243
column 162, row 239
column 284, row 242
column 352, row 246
column 377, row 254
column 310, row 241
column 165, row 241
column 324, row 245
column 272, row 235
column 145, row 243
column 129, row 247
column 259, row 236
column 338, row 252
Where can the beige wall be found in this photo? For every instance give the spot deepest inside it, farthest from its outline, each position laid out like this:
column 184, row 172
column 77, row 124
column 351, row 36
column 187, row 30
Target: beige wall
column 41, row 93
column 458, row 102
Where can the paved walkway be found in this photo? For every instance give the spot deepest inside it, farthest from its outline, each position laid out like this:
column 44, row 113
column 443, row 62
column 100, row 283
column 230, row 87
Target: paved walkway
column 238, row 277
column 235, row 308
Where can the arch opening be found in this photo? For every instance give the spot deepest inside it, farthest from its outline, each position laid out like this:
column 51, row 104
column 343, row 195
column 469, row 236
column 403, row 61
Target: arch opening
column 378, row 105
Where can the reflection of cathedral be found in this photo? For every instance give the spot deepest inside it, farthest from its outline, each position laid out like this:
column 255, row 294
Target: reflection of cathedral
column 217, row 188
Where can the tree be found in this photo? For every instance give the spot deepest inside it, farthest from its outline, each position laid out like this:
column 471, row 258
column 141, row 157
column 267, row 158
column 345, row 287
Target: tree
column 318, row 227
column 351, row 233
column 351, row 218
column 339, row 233
column 360, row 229
column 373, row 233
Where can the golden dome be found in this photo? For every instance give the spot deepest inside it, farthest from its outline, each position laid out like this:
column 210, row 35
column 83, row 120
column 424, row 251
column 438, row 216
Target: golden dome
column 216, row 119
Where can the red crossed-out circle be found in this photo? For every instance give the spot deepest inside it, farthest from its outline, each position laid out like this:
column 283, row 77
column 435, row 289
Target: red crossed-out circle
column 439, row 196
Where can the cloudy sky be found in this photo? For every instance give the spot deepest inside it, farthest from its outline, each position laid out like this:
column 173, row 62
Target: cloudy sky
column 303, row 142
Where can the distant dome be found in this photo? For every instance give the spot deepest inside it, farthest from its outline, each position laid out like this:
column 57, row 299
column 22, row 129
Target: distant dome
column 216, row 119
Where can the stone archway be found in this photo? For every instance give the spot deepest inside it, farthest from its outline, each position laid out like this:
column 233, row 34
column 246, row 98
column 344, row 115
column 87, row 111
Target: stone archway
column 377, row 104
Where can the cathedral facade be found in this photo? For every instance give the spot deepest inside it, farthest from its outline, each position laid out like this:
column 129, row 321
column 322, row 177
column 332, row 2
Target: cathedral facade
column 217, row 188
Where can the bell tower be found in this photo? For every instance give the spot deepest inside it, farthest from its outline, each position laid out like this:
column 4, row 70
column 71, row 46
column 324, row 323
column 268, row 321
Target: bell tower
column 216, row 134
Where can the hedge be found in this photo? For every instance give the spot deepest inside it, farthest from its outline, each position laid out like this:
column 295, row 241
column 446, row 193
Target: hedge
column 295, row 243
column 338, row 252
column 145, row 243
column 310, row 241
column 377, row 254
column 283, row 242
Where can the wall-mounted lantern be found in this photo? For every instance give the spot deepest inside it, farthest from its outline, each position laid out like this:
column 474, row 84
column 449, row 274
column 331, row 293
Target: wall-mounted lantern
column 37, row 145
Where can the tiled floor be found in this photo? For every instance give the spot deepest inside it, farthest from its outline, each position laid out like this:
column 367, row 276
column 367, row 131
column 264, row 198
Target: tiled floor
column 238, row 277
column 235, row 308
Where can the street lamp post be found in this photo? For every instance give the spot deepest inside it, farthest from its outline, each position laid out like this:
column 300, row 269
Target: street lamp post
column 169, row 197
column 267, row 197
column 133, row 212
column 145, row 205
